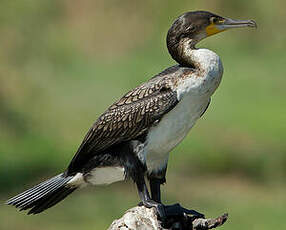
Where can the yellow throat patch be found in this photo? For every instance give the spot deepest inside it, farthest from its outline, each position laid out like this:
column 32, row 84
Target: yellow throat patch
column 212, row 29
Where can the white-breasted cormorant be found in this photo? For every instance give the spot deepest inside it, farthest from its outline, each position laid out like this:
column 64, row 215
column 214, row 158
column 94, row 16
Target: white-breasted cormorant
column 134, row 137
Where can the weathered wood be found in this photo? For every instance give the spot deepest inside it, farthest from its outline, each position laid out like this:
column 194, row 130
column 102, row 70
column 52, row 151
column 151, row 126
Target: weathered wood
column 141, row 218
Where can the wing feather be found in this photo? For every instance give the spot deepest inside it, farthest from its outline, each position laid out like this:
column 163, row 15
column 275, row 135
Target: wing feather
column 128, row 118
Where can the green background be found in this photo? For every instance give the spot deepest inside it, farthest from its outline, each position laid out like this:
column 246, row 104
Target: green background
column 64, row 62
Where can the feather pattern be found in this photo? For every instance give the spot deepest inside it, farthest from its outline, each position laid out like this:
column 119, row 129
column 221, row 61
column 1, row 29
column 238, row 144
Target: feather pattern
column 131, row 116
column 43, row 195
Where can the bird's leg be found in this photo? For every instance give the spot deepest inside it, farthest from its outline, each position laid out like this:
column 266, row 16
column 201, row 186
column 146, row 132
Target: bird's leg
column 175, row 210
column 175, row 215
column 146, row 200
column 155, row 187
column 136, row 170
column 155, row 181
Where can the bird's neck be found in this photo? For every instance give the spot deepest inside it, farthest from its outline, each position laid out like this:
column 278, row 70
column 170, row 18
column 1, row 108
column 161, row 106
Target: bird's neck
column 207, row 66
column 185, row 53
column 180, row 50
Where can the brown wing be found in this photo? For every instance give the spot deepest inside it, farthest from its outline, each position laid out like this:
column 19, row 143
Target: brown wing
column 127, row 118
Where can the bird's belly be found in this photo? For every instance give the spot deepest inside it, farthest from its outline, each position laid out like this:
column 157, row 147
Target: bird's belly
column 171, row 130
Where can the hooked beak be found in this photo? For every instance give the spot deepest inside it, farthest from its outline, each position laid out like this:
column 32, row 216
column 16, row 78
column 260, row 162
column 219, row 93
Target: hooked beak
column 227, row 23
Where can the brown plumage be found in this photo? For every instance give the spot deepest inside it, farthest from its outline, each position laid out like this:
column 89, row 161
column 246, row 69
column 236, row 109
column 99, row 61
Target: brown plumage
column 130, row 116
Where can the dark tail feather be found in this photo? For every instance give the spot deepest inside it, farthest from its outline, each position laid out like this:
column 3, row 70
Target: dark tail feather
column 44, row 195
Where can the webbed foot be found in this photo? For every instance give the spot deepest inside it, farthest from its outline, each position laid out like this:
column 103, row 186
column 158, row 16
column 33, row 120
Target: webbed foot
column 178, row 217
column 178, row 210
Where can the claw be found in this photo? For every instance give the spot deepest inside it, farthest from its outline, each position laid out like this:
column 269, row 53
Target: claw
column 193, row 213
column 159, row 208
column 140, row 204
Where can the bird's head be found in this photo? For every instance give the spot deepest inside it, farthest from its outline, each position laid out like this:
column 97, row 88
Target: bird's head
column 192, row 27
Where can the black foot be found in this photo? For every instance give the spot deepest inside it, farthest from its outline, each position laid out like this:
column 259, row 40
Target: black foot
column 178, row 217
column 177, row 210
column 172, row 213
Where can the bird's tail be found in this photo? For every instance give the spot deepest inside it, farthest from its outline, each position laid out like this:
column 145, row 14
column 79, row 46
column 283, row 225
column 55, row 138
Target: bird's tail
column 43, row 195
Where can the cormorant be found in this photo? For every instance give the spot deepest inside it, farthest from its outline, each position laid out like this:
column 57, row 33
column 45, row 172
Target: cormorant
column 134, row 136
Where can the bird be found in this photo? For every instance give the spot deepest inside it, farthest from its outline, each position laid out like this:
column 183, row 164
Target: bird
column 133, row 138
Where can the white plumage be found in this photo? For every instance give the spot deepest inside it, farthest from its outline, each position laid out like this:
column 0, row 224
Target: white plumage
column 105, row 175
column 194, row 95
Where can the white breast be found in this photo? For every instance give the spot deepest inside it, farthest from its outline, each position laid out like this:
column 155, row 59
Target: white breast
column 193, row 94
column 171, row 130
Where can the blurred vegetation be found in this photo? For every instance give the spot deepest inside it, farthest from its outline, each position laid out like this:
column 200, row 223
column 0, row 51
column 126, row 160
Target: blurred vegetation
column 64, row 62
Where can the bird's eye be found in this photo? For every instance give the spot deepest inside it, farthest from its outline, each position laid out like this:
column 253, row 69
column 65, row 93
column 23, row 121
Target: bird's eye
column 214, row 20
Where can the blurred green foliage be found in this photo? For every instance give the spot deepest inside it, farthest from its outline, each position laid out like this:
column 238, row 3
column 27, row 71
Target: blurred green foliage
column 64, row 62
